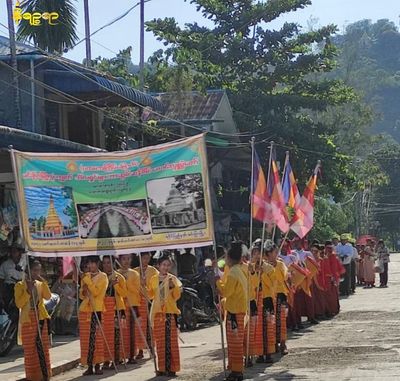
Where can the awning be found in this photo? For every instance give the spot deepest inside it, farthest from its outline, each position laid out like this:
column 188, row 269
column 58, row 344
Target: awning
column 31, row 142
column 85, row 85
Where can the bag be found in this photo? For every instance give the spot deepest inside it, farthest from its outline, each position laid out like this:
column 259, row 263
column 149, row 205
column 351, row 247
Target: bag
column 379, row 267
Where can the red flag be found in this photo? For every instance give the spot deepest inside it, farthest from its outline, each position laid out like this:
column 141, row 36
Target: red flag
column 303, row 220
column 278, row 206
column 261, row 210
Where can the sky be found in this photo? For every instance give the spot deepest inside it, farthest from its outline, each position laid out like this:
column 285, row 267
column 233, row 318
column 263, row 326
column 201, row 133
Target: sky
column 126, row 31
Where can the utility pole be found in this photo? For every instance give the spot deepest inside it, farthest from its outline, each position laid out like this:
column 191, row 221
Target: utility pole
column 141, row 62
column 14, row 65
column 87, row 33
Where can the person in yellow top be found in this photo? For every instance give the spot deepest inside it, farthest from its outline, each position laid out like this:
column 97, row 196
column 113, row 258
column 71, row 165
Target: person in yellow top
column 234, row 289
column 146, row 272
column 281, row 301
column 29, row 293
column 114, row 311
column 131, row 330
column 165, row 291
column 264, row 273
column 93, row 290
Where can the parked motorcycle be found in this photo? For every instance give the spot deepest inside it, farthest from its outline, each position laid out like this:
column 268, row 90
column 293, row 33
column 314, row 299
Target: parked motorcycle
column 197, row 303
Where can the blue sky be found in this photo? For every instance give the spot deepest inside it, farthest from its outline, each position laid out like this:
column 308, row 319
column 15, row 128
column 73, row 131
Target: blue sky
column 126, row 31
column 38, row 198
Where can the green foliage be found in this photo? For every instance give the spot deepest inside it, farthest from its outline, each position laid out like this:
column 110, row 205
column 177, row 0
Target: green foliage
column 273, row 77
column 52, row 38
column 330, row 218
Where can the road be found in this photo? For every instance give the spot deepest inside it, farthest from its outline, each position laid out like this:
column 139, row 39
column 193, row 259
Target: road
column 362, row 343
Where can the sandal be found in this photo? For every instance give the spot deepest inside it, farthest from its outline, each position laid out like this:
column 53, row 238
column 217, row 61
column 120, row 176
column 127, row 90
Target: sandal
column 88, row 371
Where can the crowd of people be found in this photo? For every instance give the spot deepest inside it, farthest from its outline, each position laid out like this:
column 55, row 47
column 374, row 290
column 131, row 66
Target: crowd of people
column 262, row 293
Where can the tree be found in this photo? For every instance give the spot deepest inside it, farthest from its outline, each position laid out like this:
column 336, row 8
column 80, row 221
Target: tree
column 273, row 77
column 51, row 38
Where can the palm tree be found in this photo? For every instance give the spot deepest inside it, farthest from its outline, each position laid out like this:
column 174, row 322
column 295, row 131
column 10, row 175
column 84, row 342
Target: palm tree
column 51, row 38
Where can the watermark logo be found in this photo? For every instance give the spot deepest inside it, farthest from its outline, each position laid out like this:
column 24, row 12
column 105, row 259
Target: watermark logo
column 35, row 18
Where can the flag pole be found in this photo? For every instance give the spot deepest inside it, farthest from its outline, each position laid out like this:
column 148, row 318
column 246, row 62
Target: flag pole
column 264, row 226
column 252, row 142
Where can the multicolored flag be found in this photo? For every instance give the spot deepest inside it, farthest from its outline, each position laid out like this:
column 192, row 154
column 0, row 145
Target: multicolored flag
column 291, row 192
column 303, row 220
column 261, row 208
column 277, row 200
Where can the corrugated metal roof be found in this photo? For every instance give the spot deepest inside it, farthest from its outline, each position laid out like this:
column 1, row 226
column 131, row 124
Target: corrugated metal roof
column 190, row 105
column 21, row 48
column 130, row 93
column 31, row 142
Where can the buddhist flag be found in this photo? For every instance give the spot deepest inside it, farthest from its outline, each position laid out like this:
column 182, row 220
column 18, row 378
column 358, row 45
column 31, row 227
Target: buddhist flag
column 261, row 208
column 279, row 215
column 303, row 220
column 289, row 186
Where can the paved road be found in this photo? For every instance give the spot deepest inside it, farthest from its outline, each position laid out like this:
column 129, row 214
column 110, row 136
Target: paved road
column 362, row 343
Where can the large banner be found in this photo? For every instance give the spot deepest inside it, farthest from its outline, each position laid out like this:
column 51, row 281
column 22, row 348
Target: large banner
column 102, row 203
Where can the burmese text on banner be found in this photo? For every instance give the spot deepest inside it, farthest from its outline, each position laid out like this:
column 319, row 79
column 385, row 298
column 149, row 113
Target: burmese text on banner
column 114, row 203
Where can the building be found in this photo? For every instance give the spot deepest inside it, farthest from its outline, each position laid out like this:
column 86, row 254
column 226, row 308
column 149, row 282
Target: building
column 61, row 98
column 190, row 113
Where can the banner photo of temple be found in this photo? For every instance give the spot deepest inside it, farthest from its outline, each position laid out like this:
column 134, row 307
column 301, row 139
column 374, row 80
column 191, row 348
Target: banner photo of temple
column 114, row 203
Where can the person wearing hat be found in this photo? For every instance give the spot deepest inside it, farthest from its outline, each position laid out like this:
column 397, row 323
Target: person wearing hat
column 344, row 251
column 93, row 291
column 384, row 258
column 146, row 272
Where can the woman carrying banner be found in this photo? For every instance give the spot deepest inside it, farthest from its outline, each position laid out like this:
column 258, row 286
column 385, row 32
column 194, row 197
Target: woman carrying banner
column 165, row 290
column 93, row 290
column 146, row 272
column 234, row 289
column 132, row 303
column 29, row 298
column 113, row 314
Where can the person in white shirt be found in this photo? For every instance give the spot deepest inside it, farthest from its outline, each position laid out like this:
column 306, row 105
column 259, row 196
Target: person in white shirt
column 11, row 272
column 299, row 252
column 344, row 251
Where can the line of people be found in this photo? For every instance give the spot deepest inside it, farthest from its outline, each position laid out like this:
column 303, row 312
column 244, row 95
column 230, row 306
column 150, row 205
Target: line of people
column 124, row 312
column 116, row 312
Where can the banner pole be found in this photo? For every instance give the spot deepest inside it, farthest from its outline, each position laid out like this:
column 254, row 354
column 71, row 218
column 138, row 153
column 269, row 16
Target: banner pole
column 152, row 352
column 252, row 143
column 119, row 319
column 264, row 226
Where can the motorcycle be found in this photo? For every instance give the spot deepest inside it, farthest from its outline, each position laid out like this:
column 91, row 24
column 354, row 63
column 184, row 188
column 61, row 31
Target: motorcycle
column 9, row 323
column 197, row 304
